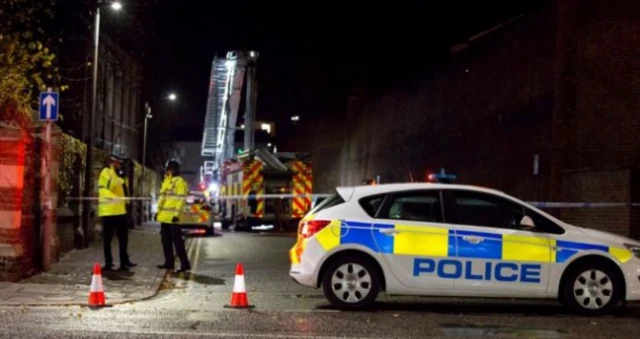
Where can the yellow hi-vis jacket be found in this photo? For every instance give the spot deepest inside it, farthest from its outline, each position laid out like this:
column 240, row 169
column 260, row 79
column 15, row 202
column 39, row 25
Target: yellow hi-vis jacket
column 173, row 196
column 110, row 192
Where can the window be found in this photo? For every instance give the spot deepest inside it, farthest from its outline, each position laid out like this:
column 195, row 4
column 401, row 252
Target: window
column 371, row 204
column 480, row 209
column 543, row 224
column 331, row 201
column 414, row 206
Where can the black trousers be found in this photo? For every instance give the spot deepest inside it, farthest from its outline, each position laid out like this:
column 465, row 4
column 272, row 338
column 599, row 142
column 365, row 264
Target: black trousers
column 115, row 224
column 172, row 236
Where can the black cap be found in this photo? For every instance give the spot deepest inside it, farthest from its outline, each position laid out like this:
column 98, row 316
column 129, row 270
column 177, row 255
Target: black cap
column 174, row 166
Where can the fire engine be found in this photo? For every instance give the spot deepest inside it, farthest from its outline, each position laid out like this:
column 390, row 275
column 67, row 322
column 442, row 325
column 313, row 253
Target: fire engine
column 252, row 183
column 286, row 178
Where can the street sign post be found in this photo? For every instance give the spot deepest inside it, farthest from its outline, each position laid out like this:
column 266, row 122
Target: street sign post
column 49, row 107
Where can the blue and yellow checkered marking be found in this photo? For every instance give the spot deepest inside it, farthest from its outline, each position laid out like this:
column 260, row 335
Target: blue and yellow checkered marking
column 433, row 241
column 361, row 234
column 489, row 248
column 567, row 249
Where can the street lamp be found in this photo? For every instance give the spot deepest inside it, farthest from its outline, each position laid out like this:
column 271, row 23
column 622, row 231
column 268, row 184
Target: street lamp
column 88, row 177
column 148, row 117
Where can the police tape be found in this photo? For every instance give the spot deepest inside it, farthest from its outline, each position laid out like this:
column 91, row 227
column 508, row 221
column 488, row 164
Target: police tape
column 542, row 204
column 231, row 197
column 108, row 198
column 538, row 204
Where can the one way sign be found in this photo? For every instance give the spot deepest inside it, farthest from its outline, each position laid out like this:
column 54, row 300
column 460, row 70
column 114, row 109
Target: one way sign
column 49, row 105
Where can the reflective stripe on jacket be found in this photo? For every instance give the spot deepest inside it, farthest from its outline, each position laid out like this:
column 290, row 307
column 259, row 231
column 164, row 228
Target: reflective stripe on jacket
column 110, row 192
column 173, row 195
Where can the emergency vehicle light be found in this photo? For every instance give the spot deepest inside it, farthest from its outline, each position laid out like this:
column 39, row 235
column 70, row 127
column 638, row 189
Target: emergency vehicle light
column 441, row 178
column 368, row 182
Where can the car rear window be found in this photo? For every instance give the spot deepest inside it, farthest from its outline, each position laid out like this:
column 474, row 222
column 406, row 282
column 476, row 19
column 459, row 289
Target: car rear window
column 371, row 204
column 333, row 200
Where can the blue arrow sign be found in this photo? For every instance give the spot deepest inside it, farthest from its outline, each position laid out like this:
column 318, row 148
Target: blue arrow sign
column 49, row 106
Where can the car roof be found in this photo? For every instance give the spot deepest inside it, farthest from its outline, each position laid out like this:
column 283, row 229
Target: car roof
column 359, row 191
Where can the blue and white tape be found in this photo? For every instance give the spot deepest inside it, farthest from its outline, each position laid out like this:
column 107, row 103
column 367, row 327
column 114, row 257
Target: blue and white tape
column 543, row 204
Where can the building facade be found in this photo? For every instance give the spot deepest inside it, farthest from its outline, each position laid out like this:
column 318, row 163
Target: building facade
column 119, row 116
column 545, row 108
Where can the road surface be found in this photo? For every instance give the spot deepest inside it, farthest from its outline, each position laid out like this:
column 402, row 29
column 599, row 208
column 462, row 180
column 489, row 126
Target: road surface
column 192, row 306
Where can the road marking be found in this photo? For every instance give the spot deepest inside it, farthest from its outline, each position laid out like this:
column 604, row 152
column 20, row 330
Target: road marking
column 196, row 334
column 194, row 268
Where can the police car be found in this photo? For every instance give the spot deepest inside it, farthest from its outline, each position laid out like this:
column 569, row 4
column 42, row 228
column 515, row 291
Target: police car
column 197, row 213
column 456, row 240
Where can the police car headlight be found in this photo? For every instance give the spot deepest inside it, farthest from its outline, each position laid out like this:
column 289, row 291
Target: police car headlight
column 635, row 249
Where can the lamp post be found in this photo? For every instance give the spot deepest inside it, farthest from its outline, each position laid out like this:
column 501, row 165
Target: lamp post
column 88, row 177
column 147, row 117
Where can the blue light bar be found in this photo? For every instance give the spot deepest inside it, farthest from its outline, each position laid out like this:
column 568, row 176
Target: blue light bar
column 442, row 177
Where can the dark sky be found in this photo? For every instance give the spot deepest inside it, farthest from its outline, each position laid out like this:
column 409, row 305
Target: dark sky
column 310, row 50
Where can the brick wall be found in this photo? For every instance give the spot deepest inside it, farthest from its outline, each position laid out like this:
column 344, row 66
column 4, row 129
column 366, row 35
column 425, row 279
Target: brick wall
column 450, row 118
column 16, row 204
column 600, row 84
column 598, row 186
column 20, row 213
column 596, row 125
column 563, row 82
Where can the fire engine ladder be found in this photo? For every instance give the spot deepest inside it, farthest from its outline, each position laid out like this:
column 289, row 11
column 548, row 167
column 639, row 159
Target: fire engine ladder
column 225, row 90
column 271, row 162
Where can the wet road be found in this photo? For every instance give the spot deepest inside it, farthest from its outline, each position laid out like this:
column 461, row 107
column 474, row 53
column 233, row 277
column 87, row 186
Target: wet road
column 191, row 306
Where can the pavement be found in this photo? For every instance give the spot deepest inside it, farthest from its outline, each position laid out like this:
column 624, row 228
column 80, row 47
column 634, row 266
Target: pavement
column 191, row 305
column 69, row 279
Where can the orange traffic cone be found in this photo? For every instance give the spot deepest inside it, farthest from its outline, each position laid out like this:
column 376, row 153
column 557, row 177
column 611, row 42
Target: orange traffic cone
column 96, row 294
column 239, row 294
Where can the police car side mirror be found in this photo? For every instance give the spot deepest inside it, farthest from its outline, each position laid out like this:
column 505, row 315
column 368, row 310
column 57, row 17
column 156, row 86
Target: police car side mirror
column 527, row 223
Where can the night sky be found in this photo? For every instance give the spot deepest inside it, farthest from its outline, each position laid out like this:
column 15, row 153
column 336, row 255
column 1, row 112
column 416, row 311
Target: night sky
column 311, row 51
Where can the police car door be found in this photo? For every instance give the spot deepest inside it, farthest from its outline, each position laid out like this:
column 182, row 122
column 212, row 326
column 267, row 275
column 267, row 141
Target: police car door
column 495, row 254
column 415, row 238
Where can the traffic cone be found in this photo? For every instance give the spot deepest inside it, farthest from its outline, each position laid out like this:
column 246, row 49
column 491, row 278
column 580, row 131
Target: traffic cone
column 239, row 294
column 96, row 294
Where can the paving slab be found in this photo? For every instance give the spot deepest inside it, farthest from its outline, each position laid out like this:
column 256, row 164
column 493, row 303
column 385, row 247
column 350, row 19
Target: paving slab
column 68, row 281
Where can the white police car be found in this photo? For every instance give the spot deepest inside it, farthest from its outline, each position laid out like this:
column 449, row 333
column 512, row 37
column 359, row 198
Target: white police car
column 455, row 240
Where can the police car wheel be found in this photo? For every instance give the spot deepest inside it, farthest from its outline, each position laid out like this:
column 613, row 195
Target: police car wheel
column 351, row 283
column 592, row 288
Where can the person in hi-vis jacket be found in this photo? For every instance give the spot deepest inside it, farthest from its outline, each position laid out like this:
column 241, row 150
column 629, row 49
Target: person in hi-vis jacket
column 112, row 210
column 173, row 195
